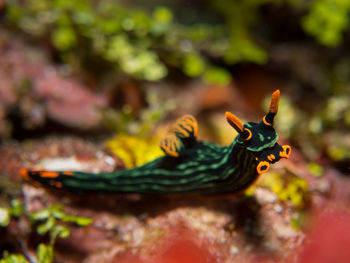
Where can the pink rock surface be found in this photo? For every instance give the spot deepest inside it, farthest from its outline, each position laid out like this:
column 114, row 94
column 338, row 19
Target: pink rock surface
column 38, row 88
column 68, row 101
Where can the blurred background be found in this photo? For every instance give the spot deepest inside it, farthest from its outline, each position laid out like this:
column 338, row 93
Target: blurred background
column 93, row 67
column 94, row 85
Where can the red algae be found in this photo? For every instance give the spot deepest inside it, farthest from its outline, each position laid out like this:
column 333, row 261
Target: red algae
column 183, row 247
column 185, row 251
column 127, row 257
column 329, row 238
column 180, row 246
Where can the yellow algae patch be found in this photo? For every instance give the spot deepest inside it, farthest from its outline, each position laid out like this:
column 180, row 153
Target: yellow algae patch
column 133, row 150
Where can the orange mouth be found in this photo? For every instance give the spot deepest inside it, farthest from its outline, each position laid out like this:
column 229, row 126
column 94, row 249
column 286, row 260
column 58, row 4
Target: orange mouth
column 263, row 167
column 286, row 151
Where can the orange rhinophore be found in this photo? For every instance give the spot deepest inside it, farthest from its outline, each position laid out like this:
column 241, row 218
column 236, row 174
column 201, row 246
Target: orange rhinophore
column 275, row 98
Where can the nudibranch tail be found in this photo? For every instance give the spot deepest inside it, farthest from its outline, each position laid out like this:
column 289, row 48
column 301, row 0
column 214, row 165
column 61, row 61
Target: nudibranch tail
column 51, row 177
